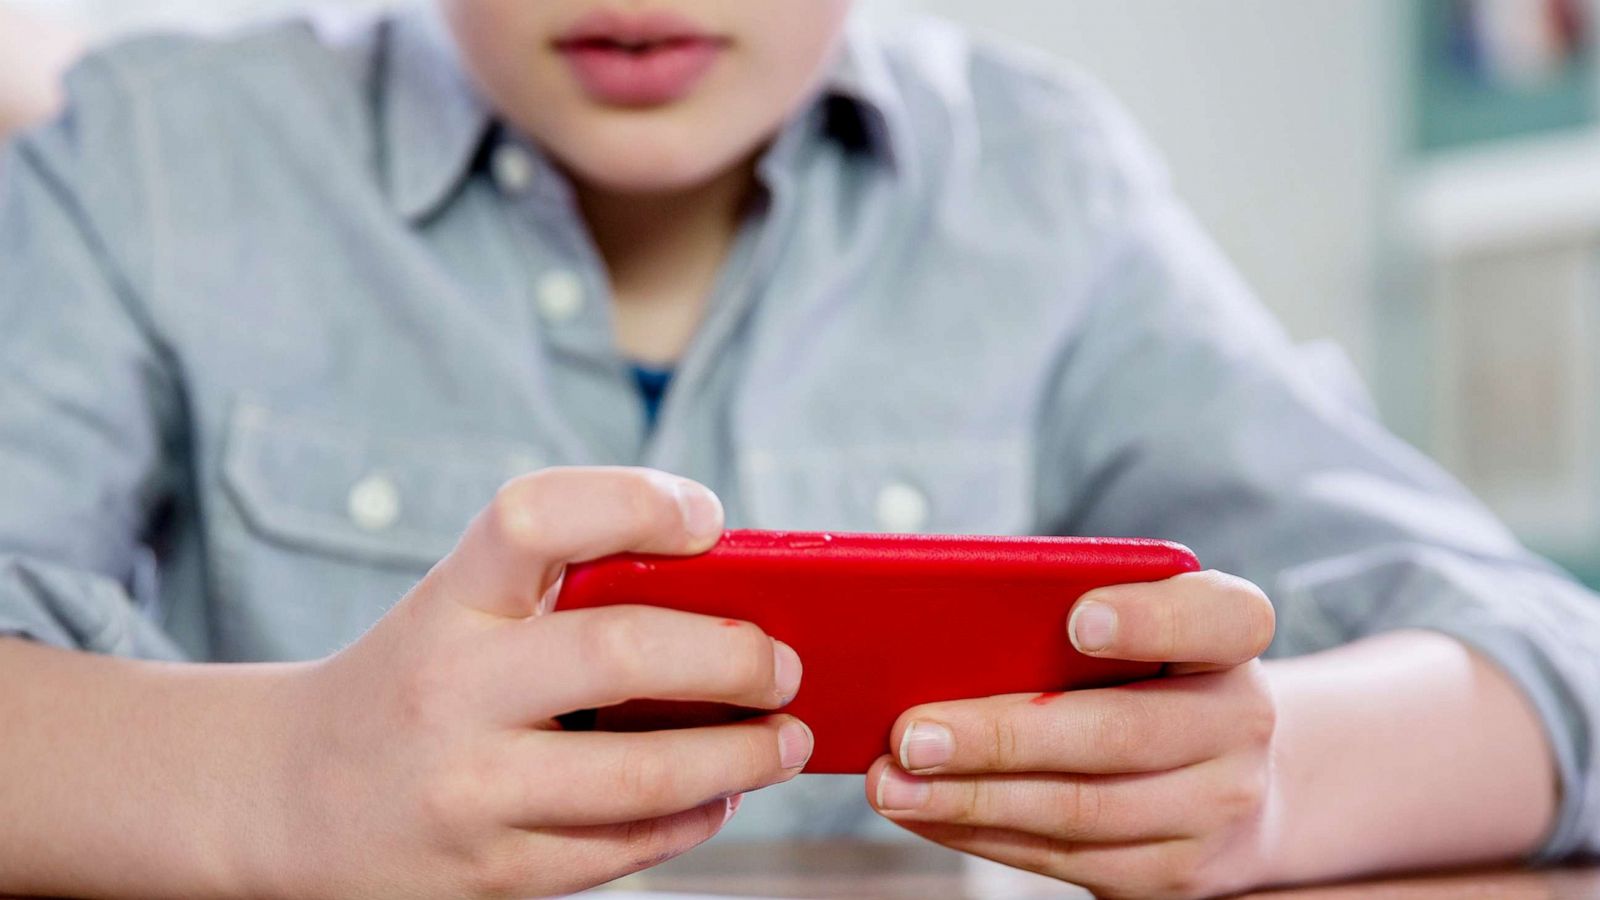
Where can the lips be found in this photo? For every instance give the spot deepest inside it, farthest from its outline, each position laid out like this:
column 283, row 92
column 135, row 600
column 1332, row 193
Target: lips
column 639, row 60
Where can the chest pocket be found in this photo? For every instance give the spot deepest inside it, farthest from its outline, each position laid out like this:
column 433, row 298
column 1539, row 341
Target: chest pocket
column 313, row 485
column 938, row 487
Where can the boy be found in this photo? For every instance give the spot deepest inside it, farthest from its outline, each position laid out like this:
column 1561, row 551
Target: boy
column 279, row 315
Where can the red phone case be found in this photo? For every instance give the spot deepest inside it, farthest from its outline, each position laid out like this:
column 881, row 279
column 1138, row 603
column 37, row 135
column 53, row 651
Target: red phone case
column 886, row 622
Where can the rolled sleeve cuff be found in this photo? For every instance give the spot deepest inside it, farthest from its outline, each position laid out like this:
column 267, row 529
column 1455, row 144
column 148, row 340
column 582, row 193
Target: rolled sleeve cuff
column 61, row 607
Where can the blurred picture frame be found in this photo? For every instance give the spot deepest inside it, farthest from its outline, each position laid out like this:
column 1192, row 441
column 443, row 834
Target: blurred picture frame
column 1490, row 70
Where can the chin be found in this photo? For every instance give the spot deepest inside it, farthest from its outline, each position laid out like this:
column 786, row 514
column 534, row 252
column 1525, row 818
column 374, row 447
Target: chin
column 647, row 160
column 639, row 177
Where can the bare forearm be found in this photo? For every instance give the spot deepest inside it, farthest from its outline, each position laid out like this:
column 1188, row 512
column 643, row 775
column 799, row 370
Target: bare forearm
column 122, row 778
column 1405, row 751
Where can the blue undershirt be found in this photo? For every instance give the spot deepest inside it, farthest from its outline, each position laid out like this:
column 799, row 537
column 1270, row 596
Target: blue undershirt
column 652, row 383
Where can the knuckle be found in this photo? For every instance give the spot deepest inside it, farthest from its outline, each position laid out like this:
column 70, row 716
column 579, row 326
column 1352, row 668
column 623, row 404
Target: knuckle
column 514, row 515
column 646, row 777
column 757, row 757
column 1266, row 626
column 1256, row 616
column 427, row 694
column 972, row 803
column 615, row 642
column 1243, row 798
column 646, row 505
column 497, row 872
column 447, row 800
column 1181, row 873
column 1121, row 730
column 642, row 834
column 749, row 667
column 1083, row 807
column 1005, row 743
column 1169, row 631
column 1056, row 858
column 1261, row 719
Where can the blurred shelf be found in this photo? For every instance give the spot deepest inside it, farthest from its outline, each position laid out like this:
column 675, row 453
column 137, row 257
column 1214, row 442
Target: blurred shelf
column 1504, row 195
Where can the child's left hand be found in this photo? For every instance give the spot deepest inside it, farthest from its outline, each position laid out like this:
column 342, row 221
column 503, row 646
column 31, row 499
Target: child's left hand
column 1163, row 788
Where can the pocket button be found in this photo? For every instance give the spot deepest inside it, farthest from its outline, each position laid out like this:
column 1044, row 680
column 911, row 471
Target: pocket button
column 902, row 509
column 375, row 503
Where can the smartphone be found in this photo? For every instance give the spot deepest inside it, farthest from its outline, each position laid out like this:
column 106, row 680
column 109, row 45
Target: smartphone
column 883, row 623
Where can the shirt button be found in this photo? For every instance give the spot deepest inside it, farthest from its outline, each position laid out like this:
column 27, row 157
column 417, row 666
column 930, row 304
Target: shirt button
column 902, row 509
column 375, row 503
column 560, row 297
column 513, row 168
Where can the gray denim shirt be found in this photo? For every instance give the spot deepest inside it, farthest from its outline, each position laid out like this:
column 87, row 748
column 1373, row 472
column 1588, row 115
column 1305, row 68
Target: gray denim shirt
column 280, row 312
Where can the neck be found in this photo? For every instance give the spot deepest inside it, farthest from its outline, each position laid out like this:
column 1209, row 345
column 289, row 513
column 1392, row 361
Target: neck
column 663, row 252
column 644, row 236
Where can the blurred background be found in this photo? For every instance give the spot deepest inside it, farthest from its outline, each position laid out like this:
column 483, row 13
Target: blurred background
column 1415, row 180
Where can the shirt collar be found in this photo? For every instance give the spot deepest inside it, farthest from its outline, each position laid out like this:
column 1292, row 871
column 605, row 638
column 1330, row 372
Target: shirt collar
column 433, row 118
column 862, row 77
column 435, row 123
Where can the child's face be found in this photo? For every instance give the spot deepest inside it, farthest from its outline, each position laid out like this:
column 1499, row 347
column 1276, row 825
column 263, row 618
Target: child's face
column 647, row 95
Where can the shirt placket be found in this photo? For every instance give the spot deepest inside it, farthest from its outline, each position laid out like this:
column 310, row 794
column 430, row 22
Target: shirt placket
column 739, row 285
column 569, row 293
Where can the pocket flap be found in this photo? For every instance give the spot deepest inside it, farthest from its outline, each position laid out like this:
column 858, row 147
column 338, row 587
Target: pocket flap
column 942, row 487
column 320, row 485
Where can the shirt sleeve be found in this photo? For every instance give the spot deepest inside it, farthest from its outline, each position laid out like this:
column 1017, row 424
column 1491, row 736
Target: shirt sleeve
column 88, row 402
column 1183, row 412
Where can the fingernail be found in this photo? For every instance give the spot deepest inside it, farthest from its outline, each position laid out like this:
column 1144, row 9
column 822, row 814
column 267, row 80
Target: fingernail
column 702, row 511
column 733, row 807
column 787, row 670
column 1093, row 627
column 547, row 603
column 794, row 745
column 899, row 791
column 926, row 745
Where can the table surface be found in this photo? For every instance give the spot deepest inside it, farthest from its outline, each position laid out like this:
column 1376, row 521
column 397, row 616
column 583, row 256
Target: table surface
column 828, row 869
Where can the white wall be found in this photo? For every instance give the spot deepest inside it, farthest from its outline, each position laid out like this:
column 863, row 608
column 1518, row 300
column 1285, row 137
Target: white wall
column 103, row 18
column 1275, row 117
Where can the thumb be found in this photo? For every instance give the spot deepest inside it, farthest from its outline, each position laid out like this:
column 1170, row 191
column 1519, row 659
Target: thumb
column 1196, row 622
column 515, row 551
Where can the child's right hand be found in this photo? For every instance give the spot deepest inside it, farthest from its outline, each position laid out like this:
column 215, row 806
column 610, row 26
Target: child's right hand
column 425, row 759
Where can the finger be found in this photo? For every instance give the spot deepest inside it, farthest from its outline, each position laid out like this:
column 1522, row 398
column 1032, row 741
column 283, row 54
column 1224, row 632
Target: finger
column 515, row 550
column 1077, row 808
column 601, row 854
column 1204, row 618
column 1138, row 869
column 594, row 658
column 1149, row 726
column 556, row 779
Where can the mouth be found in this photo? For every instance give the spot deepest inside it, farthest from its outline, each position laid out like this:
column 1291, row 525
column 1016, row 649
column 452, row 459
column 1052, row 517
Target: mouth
column 639, row 60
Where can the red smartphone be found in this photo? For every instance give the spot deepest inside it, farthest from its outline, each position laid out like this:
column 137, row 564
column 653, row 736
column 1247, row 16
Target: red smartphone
column 883, row 623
